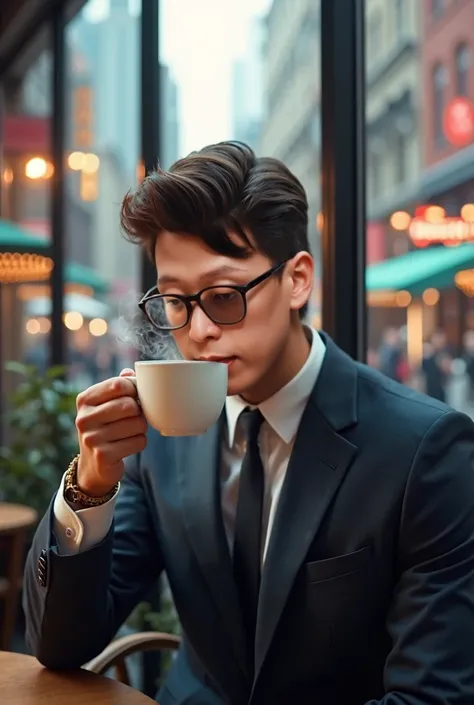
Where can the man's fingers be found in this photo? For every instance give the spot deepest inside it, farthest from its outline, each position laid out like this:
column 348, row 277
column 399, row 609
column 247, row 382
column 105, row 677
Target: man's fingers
column 118, row 431
column 103, row 392
column 112, row 453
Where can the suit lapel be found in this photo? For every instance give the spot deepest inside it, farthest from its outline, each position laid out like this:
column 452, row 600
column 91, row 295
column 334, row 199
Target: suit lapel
column 198, row 474
column 318, row 464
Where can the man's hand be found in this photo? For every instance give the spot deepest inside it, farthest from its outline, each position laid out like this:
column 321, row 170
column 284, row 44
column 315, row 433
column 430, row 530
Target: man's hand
column 111, row 426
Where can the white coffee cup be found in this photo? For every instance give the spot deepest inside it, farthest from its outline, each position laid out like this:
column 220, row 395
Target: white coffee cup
column 181, row 397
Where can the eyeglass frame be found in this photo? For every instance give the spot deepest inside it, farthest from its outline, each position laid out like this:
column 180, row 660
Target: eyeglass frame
column 187, row 300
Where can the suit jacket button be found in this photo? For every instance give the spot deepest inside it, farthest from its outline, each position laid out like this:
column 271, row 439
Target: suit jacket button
column 42, row 568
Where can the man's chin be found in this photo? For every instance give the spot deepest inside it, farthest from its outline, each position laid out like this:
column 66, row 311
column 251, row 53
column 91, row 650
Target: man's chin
column 239, row 384
column 235, row 386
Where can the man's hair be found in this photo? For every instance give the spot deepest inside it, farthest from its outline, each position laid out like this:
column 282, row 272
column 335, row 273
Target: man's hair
column 222, row 189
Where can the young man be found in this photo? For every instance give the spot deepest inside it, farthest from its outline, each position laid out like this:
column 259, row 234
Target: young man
column 342, row 570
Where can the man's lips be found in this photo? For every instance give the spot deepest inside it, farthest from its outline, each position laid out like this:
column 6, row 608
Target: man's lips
column 218, row 358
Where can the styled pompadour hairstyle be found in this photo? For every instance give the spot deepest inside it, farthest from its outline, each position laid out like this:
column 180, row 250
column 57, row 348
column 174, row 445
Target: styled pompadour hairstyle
column 222, row 189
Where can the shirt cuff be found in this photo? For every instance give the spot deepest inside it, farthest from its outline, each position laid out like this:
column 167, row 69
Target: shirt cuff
column 78, row 531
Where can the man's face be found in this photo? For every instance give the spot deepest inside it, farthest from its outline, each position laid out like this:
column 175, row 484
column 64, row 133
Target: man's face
column 186, row 265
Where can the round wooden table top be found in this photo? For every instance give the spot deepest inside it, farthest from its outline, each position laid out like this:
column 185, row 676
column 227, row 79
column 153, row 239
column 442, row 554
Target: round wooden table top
column 15, row 516
column 24, row 681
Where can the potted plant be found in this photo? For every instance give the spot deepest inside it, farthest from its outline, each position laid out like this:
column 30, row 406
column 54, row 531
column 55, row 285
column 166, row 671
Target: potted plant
column 41, row 436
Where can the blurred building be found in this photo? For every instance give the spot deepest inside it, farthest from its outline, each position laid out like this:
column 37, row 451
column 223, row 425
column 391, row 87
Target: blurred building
column 291, row 79
column 104, row 66
column 110, row 48
column 107, row 52
column 447, row 179
column 247, row 90
column 27, row 137
column 394, row 101
column 170, row 149
column 447, row 62
column 420, row 171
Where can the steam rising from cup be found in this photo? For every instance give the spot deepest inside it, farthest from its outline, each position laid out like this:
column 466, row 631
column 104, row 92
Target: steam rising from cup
column 135, row 329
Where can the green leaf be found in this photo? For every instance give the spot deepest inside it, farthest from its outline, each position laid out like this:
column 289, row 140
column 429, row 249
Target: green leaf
column 42, row 437
column 17, row 367
column 56, row 371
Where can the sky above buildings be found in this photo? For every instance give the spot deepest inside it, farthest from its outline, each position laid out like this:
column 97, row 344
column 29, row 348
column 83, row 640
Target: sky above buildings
column 200, row 41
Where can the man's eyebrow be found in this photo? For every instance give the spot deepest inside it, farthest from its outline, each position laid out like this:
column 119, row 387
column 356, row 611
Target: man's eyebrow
column 211, row 274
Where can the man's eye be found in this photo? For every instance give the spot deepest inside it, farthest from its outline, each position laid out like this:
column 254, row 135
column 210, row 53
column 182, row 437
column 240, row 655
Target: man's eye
column 228, row 296
column 173, row 303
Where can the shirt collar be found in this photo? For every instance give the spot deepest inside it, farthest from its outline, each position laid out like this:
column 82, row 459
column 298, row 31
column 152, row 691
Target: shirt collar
column 283, row 411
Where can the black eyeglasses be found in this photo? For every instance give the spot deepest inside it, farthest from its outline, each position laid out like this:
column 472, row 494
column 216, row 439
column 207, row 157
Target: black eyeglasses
column 224, row 305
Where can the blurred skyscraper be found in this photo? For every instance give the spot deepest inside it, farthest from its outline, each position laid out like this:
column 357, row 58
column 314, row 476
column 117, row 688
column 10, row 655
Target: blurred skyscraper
column 247, row 90
column 112, row 47
column 105, row 59
column 170, row 150
column 291, row 128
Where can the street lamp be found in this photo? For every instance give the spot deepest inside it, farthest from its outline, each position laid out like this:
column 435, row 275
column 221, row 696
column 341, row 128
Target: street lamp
column 38, row 168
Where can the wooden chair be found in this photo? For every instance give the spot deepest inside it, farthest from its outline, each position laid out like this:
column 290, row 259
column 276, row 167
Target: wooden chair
column 15, row 520
column 115, row 654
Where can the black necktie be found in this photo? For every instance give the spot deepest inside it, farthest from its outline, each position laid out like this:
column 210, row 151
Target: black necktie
column 248, row 528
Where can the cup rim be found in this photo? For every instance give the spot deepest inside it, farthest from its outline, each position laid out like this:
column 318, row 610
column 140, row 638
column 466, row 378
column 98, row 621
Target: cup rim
column 144, row 363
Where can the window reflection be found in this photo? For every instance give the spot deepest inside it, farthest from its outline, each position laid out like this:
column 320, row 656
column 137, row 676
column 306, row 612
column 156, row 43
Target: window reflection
column 25, row 225
column 420, row 198
column 440, row 82
column 463, row 64
column 103, row 153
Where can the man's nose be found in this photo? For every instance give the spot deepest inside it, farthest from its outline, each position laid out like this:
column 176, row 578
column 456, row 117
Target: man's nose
column 201, row 326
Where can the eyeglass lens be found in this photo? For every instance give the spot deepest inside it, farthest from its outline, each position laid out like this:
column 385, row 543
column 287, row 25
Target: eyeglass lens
column 222, row 304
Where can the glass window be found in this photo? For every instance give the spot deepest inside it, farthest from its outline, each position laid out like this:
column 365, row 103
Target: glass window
column 400, row 18
column 440, row 82
column 437, row 8
column 103, row 153
column 25, row 224
column 375, row 172
column 268, row 63
column 374, row 40
column 420, row 211
column 463, row 64
column 400, row 157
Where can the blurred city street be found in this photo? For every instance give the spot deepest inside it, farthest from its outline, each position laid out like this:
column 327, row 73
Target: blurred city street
column 97, row 94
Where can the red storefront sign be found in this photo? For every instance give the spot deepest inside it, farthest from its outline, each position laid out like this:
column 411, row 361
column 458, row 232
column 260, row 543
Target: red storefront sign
column 26, row 135
column 450, row 232
column 458, row 123
column 375, row 242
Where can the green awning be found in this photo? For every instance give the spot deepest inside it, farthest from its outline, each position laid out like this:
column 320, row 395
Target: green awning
column 15, row 239
column 419, row 269
column 75, row 273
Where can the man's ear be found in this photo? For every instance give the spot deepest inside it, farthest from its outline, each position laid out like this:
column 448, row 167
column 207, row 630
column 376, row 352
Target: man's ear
column 300, row 269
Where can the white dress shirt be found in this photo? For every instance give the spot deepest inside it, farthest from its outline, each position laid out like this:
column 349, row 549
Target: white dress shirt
column 77, row 531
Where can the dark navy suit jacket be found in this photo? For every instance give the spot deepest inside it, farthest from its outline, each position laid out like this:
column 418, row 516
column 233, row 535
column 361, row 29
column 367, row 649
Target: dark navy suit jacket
column 367, row 593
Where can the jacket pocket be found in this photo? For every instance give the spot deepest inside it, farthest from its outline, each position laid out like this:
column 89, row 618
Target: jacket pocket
column 165, row 697
column 329, row 568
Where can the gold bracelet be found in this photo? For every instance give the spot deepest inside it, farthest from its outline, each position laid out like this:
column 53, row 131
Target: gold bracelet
column 75, row 495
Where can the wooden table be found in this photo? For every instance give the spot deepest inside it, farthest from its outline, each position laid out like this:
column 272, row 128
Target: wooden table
column 24, row 681
column 15, row 520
